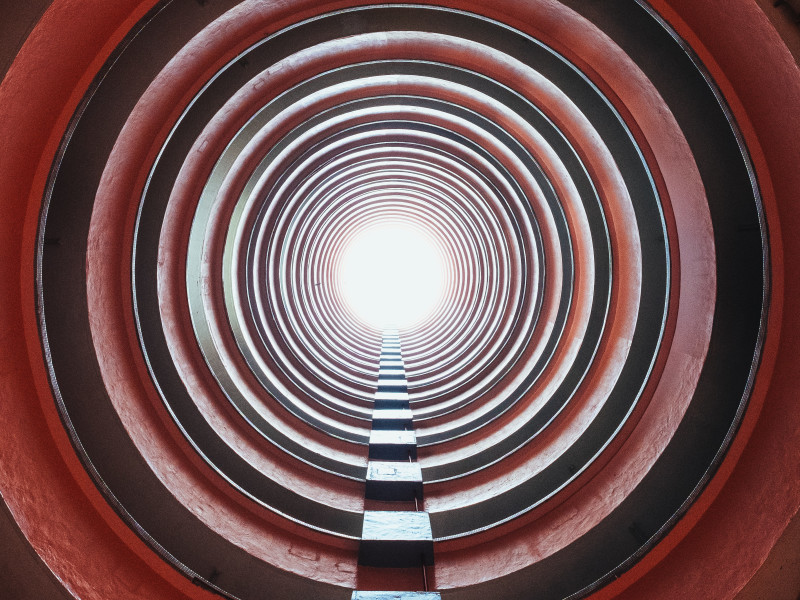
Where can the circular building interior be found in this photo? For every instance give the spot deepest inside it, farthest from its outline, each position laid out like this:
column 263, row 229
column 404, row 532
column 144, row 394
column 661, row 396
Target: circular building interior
column 386, row 301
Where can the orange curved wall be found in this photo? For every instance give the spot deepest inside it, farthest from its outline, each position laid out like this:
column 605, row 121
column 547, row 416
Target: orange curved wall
column 714, row 551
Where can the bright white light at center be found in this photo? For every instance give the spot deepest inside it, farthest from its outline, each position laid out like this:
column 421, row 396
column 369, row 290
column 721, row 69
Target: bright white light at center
column 391, row 276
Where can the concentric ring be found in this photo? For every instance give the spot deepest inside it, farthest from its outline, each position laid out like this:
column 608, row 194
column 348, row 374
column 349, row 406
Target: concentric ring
column 601, row 301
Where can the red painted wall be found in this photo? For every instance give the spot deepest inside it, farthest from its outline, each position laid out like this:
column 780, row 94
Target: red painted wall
column 713, row 553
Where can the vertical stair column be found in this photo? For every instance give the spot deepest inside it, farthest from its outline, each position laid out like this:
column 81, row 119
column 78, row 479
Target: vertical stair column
column 394, row 538
column 393, row 436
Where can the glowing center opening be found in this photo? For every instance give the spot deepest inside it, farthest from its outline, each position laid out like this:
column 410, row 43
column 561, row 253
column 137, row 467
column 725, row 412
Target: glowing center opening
column 391, row 276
